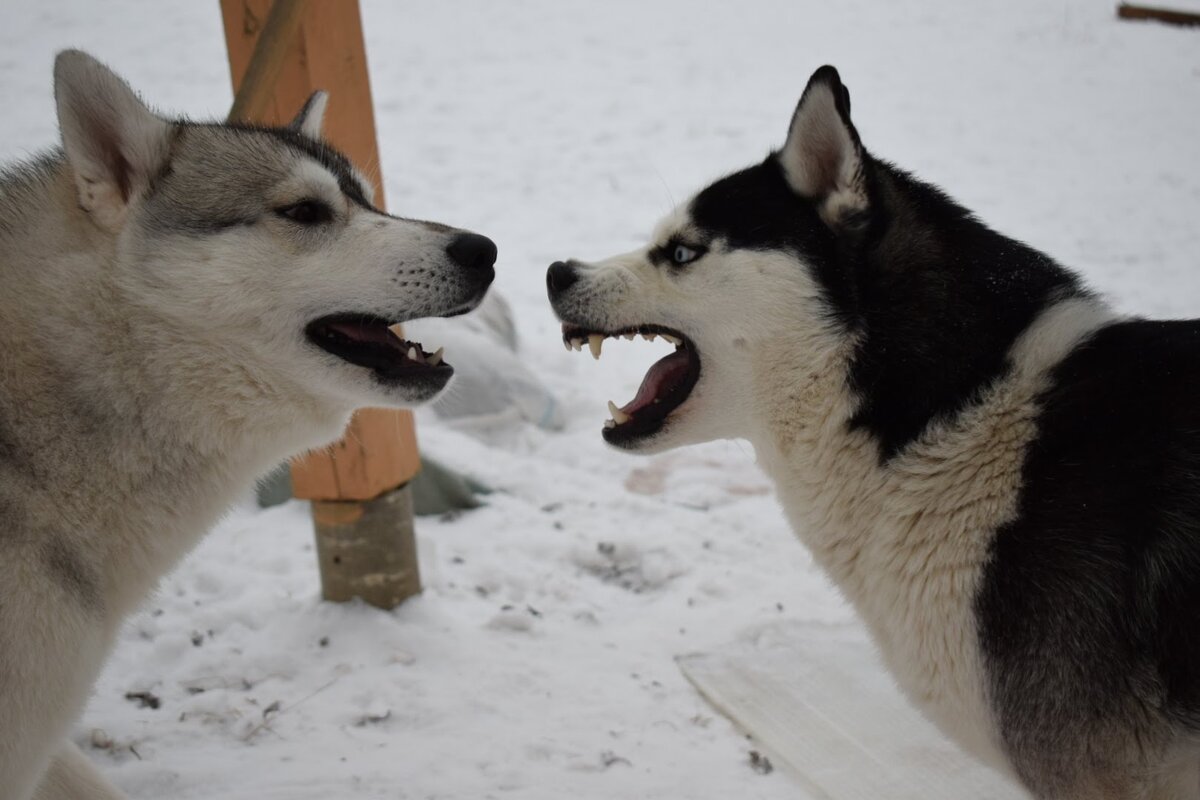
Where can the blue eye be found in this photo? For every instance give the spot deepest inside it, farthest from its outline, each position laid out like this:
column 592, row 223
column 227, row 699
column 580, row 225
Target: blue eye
column 682, row 254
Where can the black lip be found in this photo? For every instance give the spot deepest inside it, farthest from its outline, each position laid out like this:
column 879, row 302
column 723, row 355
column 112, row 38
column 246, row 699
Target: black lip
column 649, row 421
column 386, row 356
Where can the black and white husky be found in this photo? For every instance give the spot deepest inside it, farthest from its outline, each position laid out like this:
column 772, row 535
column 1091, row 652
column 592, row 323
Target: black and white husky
column 1001, row 474
column 182, row 306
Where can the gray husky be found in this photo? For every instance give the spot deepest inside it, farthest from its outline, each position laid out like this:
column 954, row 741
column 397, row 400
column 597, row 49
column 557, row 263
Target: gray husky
column 182, row 306
column 1000, row 474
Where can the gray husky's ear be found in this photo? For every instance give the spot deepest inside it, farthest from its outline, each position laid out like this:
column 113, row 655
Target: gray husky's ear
column 823, row 157
column 114, row 144
column 310, row 118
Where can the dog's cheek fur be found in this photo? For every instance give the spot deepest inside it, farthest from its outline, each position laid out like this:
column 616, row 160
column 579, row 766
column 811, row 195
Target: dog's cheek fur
column 757, row 289
column 791, row 315
column 213, row 283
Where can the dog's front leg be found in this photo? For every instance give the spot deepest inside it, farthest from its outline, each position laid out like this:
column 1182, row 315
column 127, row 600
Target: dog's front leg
column 72, row 777
column 53, row 640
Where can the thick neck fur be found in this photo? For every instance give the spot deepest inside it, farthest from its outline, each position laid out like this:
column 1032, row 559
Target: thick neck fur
column 940, row 314
column 112, row 419
column 938, row 300
column 902, row 517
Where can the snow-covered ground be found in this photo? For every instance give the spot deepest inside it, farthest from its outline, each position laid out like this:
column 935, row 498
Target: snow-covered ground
column 538, row 664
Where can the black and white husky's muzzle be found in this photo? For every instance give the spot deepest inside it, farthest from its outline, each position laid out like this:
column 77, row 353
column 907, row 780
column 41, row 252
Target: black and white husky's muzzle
column 666, row 386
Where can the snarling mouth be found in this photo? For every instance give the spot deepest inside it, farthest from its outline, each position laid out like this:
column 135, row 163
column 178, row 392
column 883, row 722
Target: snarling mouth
column 664, row 389
column 369, row 341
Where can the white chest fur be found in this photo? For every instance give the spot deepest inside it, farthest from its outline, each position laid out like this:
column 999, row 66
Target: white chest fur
column 907, row 541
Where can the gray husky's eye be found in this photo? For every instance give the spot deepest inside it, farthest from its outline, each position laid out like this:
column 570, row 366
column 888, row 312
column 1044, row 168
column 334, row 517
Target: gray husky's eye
column 306, row 212
column 682, row 254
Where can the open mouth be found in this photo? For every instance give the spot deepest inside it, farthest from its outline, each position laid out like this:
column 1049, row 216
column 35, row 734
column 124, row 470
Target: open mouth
column 369, row 341
column 664, row 389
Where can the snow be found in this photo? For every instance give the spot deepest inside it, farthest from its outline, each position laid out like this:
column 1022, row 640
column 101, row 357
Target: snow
column 539, row 661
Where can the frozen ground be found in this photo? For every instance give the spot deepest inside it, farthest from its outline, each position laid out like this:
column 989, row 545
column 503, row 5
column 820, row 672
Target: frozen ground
column 538, row 663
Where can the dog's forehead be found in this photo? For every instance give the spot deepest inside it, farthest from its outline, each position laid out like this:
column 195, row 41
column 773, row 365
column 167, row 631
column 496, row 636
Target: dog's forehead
column 222, row 176
column 756, row 209
column 309, row 174
column 676, row 223
column 266, row 156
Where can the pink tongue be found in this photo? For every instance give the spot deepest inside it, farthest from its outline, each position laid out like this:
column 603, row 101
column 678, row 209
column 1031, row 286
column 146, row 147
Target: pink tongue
column 364, row 333
column 658, row 381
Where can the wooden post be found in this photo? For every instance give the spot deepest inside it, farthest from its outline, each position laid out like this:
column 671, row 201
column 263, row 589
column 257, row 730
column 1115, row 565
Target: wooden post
column 362, row 508
column 1168, row 15
column 271, row 49
column 368, row 549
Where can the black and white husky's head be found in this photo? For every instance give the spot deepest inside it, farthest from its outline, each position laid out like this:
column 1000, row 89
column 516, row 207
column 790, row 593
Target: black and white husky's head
column 821, row 259
column 263, row 243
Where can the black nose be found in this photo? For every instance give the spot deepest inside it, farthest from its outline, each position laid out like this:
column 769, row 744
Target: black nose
column 560, row 277
column 472, row 251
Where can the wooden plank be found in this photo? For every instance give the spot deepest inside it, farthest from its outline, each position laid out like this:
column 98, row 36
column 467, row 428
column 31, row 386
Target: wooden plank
column 1167, row 15
column 379, row 448
column 281, row 29
column 816, row 699
column 379, row 451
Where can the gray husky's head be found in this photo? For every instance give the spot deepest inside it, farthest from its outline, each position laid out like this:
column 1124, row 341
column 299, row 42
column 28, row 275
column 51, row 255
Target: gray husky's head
column 733, row 279
column 263, row 243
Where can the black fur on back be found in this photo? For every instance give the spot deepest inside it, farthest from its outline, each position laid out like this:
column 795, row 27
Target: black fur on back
column 1089, row 608
column 942, row 298
column 936, row 297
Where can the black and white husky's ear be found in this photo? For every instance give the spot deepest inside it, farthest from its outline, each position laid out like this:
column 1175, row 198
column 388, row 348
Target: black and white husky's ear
column 114, row 143
column 823, row 157
column 312, row 116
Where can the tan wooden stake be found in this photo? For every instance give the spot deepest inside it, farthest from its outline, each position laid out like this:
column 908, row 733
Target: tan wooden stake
column 362, row 507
